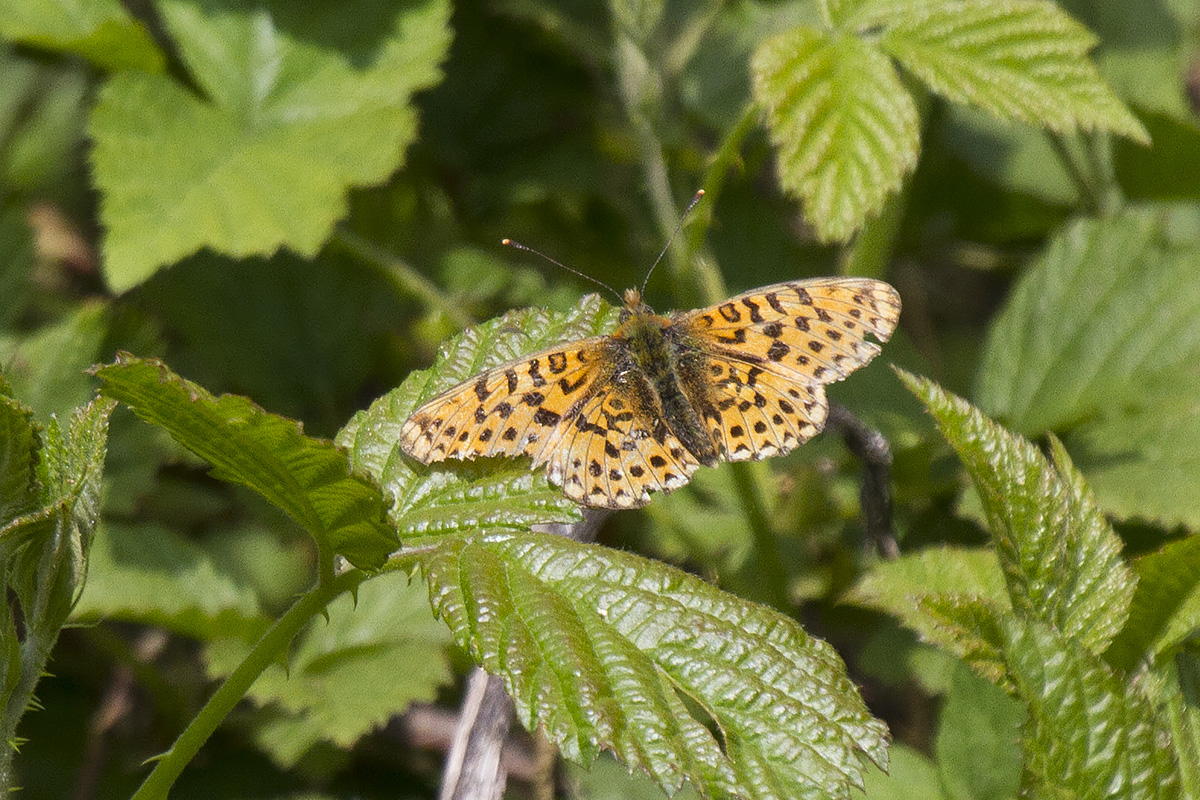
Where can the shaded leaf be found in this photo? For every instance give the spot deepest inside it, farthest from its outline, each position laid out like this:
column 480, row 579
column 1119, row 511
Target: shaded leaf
column 1168, row 171
column 910, row 776
column 1018, row 59
column 309, row 479
column 845, row 126
column 597, row 647
column 299, row 103
column 1109, row 305
column 1166, row 606
column 154, row 576
column 18, row 459
column 452, row 497
column 1142, row 456
column 1061, row 558
column 1089, row 733
column 99, row 30
column 978, row 740
column 350, row 672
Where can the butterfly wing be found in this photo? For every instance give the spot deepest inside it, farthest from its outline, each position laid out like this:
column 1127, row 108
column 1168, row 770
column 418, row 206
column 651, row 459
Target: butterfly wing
column 513, row 409
column 619, row 449
column 756, row 365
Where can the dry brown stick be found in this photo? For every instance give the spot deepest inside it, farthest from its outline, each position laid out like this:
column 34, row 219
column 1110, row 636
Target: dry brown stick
column 875, row 492
column 474, row 770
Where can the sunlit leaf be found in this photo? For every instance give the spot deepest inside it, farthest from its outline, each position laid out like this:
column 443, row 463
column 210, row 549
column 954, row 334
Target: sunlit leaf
column 1019, row 59
column 309, row 479
column 598, row 649
column 296, row 103
column 99, row 30
column 845, row 126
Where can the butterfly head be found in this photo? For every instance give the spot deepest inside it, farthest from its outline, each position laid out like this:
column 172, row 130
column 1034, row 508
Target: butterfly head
column 634, row 305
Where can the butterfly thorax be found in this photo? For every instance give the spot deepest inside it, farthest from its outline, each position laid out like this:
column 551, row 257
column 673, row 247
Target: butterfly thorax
column 656, row 356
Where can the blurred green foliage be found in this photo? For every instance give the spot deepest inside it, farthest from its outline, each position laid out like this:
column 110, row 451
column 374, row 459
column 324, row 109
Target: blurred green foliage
column 300, row 203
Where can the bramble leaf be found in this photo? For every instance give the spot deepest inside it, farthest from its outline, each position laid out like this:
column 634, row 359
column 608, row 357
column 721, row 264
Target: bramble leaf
column 1089, row 732
column 297, row 103
column 1061, row 558
column 1110, row 305
column 599, row 648
column 18, row 459
column 457, row 497
column 845, row 126
column 1018, row 59
column 99, row 30
column 978, row 754
column 309, row 479
column 154, row 576
column 1166, row 606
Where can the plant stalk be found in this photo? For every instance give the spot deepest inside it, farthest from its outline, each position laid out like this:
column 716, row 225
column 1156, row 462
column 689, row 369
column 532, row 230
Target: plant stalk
column 277, row 638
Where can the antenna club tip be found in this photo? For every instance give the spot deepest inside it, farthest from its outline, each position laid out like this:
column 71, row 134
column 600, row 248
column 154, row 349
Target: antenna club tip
column 699, row 193
column 506, row 242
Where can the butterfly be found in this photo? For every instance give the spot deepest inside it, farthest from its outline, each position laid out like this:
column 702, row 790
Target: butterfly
column 615, row 418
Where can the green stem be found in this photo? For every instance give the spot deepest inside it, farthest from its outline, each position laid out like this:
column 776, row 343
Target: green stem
column 1098, row 152
column 751, row 483
column 35, row 652
column 1089, row 192
column 264, row 653
column 402, row 275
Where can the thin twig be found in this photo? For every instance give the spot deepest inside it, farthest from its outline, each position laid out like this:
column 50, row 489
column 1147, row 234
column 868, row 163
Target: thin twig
column 474, row 770
column 872, row 449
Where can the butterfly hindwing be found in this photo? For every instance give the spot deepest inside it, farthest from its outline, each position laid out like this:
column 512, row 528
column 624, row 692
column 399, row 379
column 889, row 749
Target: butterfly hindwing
column 513, row 409
column 619, row 449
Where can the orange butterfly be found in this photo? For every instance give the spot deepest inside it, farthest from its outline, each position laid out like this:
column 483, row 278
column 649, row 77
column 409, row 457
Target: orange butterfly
column 617, row 417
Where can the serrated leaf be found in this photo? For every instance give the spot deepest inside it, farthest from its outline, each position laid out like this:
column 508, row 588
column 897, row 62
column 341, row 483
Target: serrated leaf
column 1107, row 307
column 1061, row 558
column 977, row 744
column 300, row 103
column 597, row 649
column 348, row 673
column 452, row 497
column 99, row 30
column 18, row 460
column 846, row 128
column 49, row 571
column 1018, row 59
column 1166, row 606
column 1089, row 734
column 309, row 479
column 1142, row 457
column 154, row 576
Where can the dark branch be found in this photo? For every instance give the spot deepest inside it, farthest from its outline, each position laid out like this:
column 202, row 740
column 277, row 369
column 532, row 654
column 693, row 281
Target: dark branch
column 875, row 494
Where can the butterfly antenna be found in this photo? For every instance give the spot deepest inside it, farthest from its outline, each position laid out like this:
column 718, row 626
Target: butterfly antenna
column 585, row 276
column 696, row 198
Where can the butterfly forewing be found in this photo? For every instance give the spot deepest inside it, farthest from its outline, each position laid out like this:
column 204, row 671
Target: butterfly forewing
column 769, row 352
column 513, row 409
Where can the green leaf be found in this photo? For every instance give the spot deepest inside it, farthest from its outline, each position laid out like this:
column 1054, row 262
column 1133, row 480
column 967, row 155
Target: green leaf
column 48, row 573
column 1018, row 59
column 1176, row 689
column 348, row 673
column 99, row 30
column 299, row 103
column 309, row 479
column 846, row 128
column 1142, row 457
column 453, row 497
column 608, row 779
column 1109, row 305
column 1166, row 606
column 1061, row 558
column 18, row 459
column 599, row 648
column 977, row 744
column 154, row 576
column 910, row 776
column 1089, row 732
